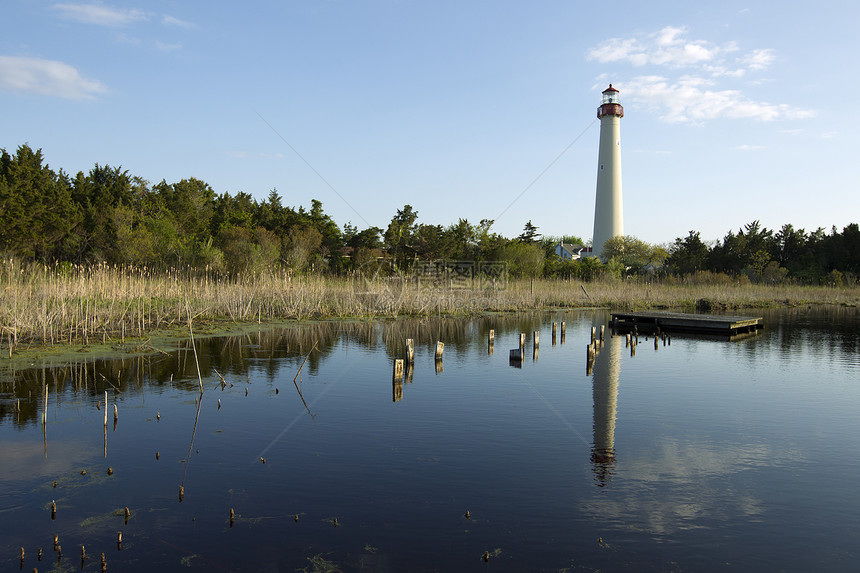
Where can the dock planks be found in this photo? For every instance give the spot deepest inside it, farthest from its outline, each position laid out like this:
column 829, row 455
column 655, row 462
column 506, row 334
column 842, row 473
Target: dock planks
column 684, row 322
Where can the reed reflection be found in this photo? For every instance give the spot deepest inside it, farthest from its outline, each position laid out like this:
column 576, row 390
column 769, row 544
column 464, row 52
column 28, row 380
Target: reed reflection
column 607, row 367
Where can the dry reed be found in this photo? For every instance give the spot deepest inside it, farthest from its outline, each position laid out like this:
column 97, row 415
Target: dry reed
column 64, row 303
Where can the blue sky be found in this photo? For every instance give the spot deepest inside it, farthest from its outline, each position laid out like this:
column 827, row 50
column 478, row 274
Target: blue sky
column 734, row 111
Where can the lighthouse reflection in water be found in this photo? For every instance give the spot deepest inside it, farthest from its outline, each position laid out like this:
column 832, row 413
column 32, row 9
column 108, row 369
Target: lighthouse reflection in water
column 607, row 367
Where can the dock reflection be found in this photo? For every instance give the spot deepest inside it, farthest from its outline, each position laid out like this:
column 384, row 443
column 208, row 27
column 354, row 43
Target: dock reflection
column 607, row 367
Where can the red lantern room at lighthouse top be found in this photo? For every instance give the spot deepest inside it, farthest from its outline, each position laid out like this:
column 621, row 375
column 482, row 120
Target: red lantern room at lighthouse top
column 611, row 105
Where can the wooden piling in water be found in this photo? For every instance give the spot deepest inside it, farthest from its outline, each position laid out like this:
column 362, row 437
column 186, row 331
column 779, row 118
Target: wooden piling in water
column 536, row 338
column 522, row 340
column 593, row 333
column 602, row 332
column 491, row 336
column 398, row 369
column 105, row 408
column 440, row 347
column 410, row 350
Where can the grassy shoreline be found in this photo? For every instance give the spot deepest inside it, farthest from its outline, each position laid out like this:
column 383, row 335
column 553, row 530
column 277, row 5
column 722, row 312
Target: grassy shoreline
column 47, row 306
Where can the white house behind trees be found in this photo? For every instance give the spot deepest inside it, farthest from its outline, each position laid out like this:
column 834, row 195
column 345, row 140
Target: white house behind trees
column 568, row 251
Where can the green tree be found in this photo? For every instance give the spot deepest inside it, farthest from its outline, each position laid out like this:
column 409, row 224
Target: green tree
column 524, row 259
column 687, row 255
column 530, row 233
column 399, row 236
column 633, row 254
column 302, row 248
column 191, row 202
column 37, row 212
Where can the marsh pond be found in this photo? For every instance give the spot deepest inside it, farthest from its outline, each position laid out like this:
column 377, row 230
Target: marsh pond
column 304, row 453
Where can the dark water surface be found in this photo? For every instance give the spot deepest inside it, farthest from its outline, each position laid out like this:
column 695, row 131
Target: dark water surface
column 699, row 455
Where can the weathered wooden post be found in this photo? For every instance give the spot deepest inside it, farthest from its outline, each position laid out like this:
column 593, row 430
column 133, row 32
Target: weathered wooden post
column 398, row 369
column 554, row 332
column 602, row 331
column 593, row 333
column 536, row 339
column 656, row 342
column 105, row 408
column 522, row 340
column 491, row 337
column 563, row 331
column 410, row 350
column 440, row 347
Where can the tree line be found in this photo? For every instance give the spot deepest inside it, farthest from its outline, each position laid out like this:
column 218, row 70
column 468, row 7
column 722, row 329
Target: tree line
column 109, row 215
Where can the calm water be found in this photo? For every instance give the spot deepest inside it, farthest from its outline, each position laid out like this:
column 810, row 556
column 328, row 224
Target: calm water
column 699, row 455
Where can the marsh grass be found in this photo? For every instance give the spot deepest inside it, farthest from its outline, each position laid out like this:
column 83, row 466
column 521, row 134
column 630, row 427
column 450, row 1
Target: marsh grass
column 63, row 303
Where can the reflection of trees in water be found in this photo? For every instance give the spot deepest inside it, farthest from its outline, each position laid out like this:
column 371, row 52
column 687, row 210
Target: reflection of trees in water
column 829, row 332
column 265, row 352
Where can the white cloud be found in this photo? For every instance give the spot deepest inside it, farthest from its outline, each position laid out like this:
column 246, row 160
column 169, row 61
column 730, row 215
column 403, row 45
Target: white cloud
column 759, row 59
column 668, row 47
column 168, row 20
column 694, row 95
column 747, row 147
column 100, row 14
column 693, row 99
column 46, row 77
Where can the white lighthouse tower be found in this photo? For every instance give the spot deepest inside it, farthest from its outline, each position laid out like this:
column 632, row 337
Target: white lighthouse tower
column 608, row 213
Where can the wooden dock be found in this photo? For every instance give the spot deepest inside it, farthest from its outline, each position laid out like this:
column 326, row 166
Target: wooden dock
column 683, row 322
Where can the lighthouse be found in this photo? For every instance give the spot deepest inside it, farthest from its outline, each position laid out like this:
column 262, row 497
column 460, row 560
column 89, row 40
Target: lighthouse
column 608, row 213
